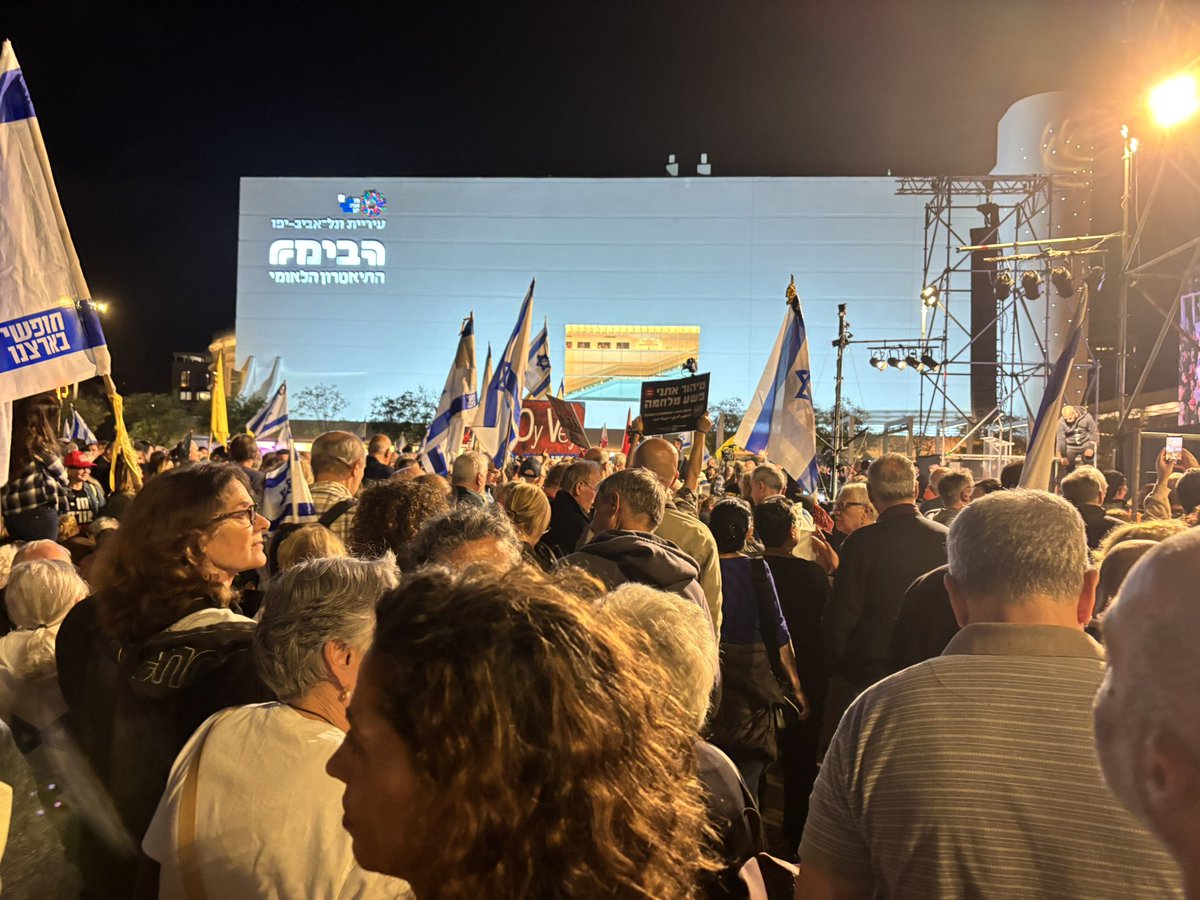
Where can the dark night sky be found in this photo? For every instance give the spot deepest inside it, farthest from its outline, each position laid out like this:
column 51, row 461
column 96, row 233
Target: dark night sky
column 150, row 119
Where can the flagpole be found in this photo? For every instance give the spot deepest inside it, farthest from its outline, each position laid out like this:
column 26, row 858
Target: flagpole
column 842, row 340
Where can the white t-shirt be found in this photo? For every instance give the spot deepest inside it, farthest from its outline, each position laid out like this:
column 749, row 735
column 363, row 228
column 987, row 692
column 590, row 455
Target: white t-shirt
column 268, row 817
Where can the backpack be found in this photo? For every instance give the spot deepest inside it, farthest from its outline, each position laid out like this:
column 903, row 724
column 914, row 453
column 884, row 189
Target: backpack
column 326, row 520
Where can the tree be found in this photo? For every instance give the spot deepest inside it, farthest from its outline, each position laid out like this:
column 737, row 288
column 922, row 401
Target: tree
column 407, row 415
column 240, row 410
column 94, row 409
column 158, row 418
column 322, row 402
column 733, row 408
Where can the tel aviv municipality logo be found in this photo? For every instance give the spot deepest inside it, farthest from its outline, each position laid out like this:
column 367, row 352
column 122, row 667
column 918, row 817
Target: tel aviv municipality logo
column 370, row 203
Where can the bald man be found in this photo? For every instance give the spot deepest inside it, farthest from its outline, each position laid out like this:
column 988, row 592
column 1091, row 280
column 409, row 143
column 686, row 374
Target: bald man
column 680, row 527
column 1147, row 713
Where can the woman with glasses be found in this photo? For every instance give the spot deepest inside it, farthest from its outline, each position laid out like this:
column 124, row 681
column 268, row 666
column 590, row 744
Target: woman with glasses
column 168, row 647
column 851, row 511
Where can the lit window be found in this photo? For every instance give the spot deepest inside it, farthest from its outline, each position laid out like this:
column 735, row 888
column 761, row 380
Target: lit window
column 622, row 345
column 585, row 345
column 604, row 345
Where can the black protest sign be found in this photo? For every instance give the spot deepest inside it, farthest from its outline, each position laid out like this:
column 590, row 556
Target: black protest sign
column 569, row 421
column 675, row 405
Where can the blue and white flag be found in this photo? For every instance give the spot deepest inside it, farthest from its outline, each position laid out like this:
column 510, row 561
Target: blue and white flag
column 502, row 401
column 286, row 497
column 537, row 375
column 456, row 408
column 75, row 429
column 780, row 419
column 49, row 332
column 1042, row 449
column 272, row 420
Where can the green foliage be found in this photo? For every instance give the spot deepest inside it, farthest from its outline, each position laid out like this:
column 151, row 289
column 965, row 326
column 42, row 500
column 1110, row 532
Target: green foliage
column 734, row 409
column 240, row 410
column 322, row 402
column 95, row 411
column 159, row 418
column 407, row 415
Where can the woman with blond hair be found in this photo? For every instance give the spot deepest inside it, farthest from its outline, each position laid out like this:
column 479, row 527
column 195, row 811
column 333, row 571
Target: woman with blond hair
column 529, row 510
column 307, row 542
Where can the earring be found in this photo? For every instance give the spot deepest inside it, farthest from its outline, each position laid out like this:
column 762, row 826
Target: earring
column 344, row 696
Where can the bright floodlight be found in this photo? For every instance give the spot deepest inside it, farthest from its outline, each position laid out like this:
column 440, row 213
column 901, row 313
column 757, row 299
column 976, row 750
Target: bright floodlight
column 1175, row 100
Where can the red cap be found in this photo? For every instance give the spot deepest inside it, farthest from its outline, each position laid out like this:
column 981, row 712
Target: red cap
column 77, row 460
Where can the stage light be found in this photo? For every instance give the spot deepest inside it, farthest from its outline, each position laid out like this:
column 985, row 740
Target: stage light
column 878, row 363
column 911, row 360
column 930, row 294
column 1095, row 279
column 1175, row 100
column 929, row 362
column 1064, row 284
column 1004, row 285
column 1031, row 285
column 100, row 306
column 896, row 362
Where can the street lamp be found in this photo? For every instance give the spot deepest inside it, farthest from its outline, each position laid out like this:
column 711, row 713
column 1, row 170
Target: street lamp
column 1175, row 100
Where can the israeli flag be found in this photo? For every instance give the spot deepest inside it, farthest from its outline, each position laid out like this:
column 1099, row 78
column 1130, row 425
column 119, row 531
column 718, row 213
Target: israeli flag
column 75, row 429
column 502, row 400
column 272, row 420
column 457, row 408
column 286, row 497
column 537, row 375
column 780, row 419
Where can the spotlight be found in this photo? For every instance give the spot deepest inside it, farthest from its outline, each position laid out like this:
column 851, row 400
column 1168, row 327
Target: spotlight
column 1004, row 285
column 911, row 360
column 1031, row 285
column 1095, row 279
column 929, row 362
column 896, row 362
column 1175, row 100
column 878, row 363
column 1064, row 284
column 930, row 294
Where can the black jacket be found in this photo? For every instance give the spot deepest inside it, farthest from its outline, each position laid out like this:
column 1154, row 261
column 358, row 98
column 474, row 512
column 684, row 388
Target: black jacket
column 878, row 563
column 616, row 557
column 568, row 522
column 377, row 471
column 1097, row 523
column 926, row 622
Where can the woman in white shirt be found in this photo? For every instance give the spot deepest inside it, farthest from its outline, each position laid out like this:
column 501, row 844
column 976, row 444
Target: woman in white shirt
column 249, row 791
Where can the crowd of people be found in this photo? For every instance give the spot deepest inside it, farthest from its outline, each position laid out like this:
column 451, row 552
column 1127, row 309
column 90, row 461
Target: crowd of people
column 615, row 675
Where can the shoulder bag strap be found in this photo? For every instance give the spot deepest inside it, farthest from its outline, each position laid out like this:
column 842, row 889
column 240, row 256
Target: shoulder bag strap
column 336, row 511
column 189, row 864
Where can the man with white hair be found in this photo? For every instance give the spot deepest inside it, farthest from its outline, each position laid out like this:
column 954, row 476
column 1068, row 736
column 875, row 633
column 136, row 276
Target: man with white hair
column 338, row 464
column 974, row 773
column 1085, row 489
column 1146, row 715
column 468, row 475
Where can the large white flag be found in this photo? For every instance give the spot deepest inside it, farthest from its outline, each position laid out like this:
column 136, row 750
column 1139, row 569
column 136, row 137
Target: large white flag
column 273, row 419
column 456, row 408
column 537, row 375
column 286, row 497
column 501, row 417
column 780, row 419
column 49, row 332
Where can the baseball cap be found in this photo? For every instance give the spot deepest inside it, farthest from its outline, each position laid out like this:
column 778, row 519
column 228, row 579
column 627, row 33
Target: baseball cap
column 531, row 467
column 77, row 460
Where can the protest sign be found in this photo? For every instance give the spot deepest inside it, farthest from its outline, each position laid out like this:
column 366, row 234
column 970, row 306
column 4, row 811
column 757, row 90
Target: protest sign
column 675, row 405
column 543, row 429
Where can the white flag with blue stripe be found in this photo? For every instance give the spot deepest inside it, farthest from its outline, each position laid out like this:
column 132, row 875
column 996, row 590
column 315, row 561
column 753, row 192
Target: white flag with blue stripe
column 272, row 420
column 456, row 408
column 537, row 375
column 780, row 419
column 501, row 417
column 286, row 497
column 75, row 429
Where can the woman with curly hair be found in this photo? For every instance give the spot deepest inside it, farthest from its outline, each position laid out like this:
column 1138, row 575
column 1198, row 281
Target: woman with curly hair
column 391, row 512
column 508, row 740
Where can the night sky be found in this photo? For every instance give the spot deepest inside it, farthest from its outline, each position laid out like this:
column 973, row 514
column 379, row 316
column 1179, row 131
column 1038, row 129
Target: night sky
column 150, row 119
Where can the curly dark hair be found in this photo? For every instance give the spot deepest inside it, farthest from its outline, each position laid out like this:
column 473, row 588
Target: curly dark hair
column 391, row 512
column 552, row 764
column 149, row 577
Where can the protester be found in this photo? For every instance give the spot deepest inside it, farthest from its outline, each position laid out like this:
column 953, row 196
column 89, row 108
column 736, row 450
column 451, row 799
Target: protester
column 529, row 511
column 338, row 463
column 120, row 499
column 307, row 542
column 1147, row 529
column 163, row 596
column 554, row 478
column 1084, row 488
column 560, row 707
column 754, row 639
column 986, row 486
column 571, row 506
column 1010, row 475
column 851, row 511
column 768, row 480
column 955, row 489
column 36, row 492
column 530, row 470
column 1147, row 726
column 468, row 534
column 1116, row 500
column 803, row 590
column 599, row 456
column 244, row 452
column 1114, row 569
column 682, row 528
column 390, row 513
column 629, row 506
column 1003, row 718
column 469, row 478
column 84, row 497
column 266, row 819
column 878, row 564
column 931, row 500
column 1077, row 438
column 381, row 457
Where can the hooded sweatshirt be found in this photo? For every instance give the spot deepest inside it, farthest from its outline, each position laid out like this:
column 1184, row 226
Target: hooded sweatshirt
column 616, row 557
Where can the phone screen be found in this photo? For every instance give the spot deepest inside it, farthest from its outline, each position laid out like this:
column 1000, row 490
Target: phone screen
column 1174, row 445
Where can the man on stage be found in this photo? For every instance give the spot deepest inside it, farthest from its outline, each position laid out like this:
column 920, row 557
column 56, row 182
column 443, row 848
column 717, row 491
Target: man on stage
column 1078, row 436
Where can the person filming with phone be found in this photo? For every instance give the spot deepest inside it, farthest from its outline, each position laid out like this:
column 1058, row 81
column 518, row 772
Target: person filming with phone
column 1078, row 436
column 1172, row 492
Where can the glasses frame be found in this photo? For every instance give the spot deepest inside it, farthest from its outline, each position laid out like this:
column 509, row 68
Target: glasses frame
column 250, row 514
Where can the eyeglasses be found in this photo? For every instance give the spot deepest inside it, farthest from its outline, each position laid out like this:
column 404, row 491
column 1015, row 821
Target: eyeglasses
column 849, row 504
column 250, row 514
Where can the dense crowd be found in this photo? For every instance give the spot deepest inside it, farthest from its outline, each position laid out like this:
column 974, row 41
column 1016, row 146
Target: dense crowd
column 604, row 676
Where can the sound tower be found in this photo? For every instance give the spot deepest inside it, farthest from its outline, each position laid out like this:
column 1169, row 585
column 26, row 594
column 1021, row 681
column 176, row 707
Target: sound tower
column 984, row 343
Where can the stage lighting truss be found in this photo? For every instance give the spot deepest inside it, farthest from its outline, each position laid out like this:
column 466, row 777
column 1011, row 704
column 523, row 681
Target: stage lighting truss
column 917, row 357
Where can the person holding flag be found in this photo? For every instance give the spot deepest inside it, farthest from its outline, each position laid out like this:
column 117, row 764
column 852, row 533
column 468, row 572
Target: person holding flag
column 502, row 401
column 457, row 407
column 287, row 503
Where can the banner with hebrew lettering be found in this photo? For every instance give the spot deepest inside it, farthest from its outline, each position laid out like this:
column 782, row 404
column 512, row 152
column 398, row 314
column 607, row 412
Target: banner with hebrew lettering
column 49, row 332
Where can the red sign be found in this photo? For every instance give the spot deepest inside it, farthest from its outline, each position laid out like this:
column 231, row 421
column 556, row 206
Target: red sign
column 541, row 430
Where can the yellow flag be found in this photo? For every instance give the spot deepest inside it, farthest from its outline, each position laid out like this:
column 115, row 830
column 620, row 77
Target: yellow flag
column 218, row 426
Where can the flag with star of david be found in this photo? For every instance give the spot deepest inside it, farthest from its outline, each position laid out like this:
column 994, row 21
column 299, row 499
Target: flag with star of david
column 537, row 373
column 780, row 419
